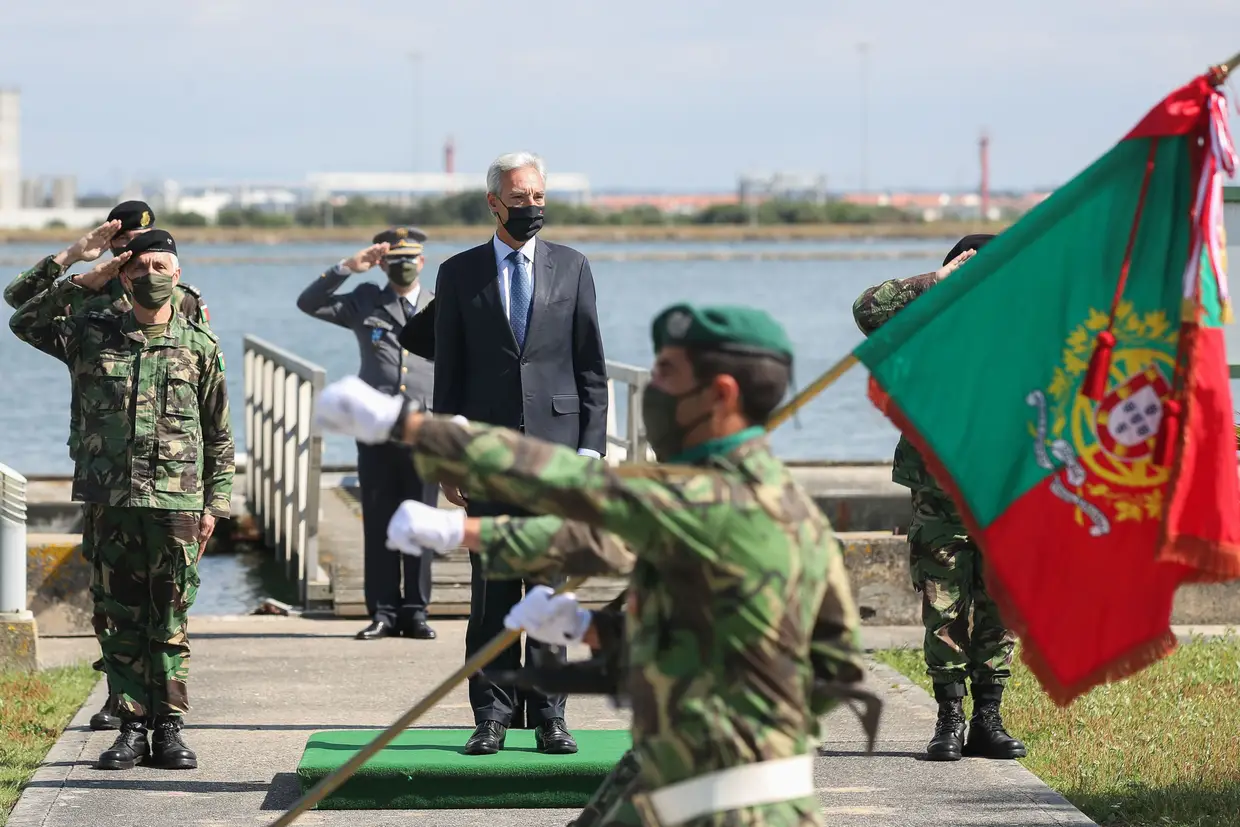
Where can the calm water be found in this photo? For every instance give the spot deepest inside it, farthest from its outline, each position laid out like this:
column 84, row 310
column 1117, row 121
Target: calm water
column 813, row 299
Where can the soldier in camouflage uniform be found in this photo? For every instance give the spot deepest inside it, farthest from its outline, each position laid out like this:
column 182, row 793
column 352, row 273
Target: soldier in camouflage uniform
column 946, row 567
column 125, row 222
column 738, row 590
column 155, row 461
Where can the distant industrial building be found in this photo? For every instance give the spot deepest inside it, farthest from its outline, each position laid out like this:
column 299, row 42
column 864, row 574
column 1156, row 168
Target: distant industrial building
column 783, row 186
column 10, row 150
column 30, row 204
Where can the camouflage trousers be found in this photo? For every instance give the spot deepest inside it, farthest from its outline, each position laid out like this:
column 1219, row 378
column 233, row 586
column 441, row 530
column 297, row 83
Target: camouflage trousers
column 98, row 620
column 147, row 574
column 946, row 567
column 611, row 804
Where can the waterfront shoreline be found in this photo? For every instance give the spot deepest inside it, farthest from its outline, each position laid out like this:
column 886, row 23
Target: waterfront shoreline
column 728, row 233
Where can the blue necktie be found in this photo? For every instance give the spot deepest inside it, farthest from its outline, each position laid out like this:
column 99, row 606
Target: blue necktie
column 519, row 302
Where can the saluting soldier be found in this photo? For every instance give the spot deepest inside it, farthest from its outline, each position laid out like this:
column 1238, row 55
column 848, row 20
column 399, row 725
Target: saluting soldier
column 738, row 592
column 125, row 222
column 946, row 567
column 155, row 460
column 377, row 315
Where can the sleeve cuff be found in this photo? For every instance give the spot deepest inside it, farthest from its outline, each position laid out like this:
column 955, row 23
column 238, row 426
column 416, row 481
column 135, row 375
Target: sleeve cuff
column 589, row 452
column 340, row 270
column 220, row 512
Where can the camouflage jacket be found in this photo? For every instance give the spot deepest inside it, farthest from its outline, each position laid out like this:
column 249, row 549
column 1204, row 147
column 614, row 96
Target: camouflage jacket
column 735, row 571
column 543, row 548
column 41, row 276
column 155, row 421
column 872, row 310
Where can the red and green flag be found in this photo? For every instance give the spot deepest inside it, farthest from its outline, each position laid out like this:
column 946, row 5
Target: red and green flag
column 1068, row 387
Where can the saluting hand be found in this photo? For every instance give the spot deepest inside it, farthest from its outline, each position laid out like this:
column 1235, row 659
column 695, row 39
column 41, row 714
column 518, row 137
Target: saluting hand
column 98, row 276
column 951, row 266
column 363, row 260
column 90, row 246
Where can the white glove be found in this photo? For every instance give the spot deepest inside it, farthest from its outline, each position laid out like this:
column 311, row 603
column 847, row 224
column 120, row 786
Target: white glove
column 353, row 408
column 550, row 618
column 416, row 526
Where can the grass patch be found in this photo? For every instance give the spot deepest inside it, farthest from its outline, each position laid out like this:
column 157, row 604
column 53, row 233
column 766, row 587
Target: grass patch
column 34, row 709
column 1160, row 748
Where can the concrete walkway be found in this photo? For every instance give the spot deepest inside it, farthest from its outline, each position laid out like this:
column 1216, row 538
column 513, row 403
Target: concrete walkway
column 260, row 685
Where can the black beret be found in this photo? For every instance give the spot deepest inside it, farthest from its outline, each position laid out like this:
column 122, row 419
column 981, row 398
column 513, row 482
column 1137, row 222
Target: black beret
column 155, row 241
column 970, row 242
column 133, row 215
column 402, row 241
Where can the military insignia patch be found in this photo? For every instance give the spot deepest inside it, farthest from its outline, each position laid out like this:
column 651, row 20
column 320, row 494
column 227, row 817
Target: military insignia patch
column 145, row 220
column 1106, row 449
column 401, row 232
column 678, row 325
column 220, row 358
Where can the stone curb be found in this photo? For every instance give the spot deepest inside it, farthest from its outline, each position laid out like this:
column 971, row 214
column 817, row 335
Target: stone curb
column 1056, row 808
column 41, row 793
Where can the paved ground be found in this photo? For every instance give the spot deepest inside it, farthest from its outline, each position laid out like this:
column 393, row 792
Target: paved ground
column 260, row 686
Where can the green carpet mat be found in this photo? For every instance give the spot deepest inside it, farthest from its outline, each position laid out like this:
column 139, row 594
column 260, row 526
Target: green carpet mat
column 426, row 769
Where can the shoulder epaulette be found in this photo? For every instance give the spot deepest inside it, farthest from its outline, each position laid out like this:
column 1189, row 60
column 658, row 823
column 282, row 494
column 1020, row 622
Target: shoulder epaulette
column 202, row 304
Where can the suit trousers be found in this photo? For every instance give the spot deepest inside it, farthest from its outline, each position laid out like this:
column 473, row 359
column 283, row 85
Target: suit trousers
column 490, row 602
column 387, row 478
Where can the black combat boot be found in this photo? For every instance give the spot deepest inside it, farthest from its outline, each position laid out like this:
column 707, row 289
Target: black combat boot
column 167, row 749
column 108, row 716
column 948, row 740
column 128, row 749
column 987, row 737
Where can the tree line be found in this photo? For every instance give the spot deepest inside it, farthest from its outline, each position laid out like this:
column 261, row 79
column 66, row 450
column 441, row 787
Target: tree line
column 470, row 208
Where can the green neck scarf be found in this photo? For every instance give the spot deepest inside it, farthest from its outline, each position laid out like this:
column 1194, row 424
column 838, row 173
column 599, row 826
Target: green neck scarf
column 716, row 447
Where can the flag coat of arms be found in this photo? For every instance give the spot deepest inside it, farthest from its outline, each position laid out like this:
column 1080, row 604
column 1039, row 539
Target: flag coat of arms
column 1068, row 387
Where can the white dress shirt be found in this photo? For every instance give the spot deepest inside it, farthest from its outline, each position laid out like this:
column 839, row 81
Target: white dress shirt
column 505, row 270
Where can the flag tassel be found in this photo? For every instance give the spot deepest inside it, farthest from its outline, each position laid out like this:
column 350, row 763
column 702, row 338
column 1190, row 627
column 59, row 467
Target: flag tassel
column 1095, row 386
column 1168, row 432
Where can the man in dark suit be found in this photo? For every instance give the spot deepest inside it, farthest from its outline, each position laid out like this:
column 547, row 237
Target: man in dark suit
column 517, row 344
column 377, row 315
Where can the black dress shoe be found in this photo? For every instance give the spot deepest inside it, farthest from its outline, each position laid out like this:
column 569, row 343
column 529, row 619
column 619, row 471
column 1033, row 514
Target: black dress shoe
column 108, row 716
column 167, row 749
column 376, row 630
column 128, row 749
column 417, row 628
column 554, row 738
column 488, row 739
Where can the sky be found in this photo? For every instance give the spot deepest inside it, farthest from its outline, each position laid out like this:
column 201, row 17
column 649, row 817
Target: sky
column 645, row 95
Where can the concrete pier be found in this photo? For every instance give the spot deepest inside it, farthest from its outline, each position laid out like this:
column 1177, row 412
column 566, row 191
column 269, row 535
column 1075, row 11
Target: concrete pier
column 869, row 512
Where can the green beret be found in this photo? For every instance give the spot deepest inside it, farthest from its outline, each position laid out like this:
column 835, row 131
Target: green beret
column 133, row 215
column 728, row 328
column 402, row 241
column 155, row 241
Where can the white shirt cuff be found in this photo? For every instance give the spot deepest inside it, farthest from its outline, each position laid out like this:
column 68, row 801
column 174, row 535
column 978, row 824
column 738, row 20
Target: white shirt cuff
column 340, row 270
column 588, row 452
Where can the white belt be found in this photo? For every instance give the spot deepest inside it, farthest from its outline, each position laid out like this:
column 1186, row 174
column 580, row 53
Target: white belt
column 766, row 782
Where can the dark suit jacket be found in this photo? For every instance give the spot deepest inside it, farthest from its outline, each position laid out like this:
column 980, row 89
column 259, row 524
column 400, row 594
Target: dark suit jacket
column 556, row 388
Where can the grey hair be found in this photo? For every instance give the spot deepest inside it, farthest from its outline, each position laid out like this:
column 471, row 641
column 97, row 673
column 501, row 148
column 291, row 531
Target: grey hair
column 507, row 163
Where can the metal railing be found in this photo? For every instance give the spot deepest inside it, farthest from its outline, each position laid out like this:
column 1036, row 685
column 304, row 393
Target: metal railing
column 632, row 445
column 12, row 544
column 284, row 460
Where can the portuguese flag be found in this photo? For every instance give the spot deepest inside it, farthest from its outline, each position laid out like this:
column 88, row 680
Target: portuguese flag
column 1068, row 387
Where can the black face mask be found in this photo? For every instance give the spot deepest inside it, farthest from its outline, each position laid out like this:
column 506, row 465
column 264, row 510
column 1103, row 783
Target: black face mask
column 663, row 430
column 524, row 222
